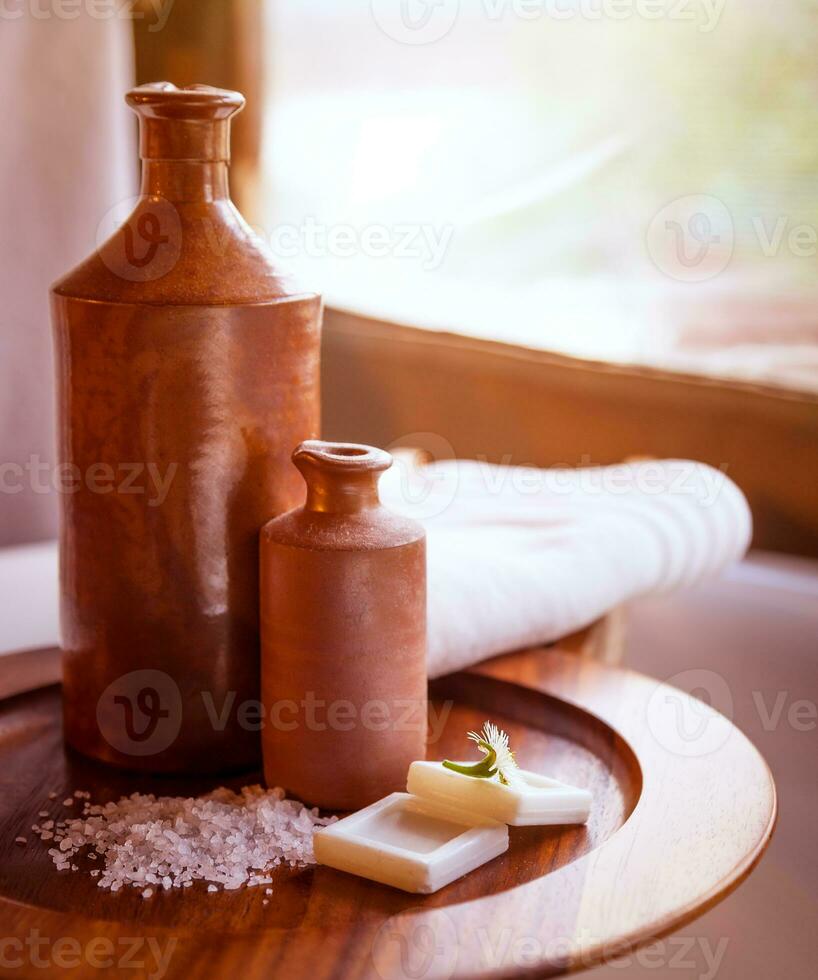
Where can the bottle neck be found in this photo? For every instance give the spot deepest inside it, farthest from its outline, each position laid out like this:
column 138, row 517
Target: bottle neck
column 341, row 478
column 203, row 181
column 342, row 494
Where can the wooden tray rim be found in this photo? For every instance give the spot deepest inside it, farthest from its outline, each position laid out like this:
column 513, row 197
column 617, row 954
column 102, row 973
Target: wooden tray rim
column 614, row 888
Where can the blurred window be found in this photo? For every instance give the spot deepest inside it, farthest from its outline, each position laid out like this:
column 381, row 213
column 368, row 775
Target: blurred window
column 624, row 180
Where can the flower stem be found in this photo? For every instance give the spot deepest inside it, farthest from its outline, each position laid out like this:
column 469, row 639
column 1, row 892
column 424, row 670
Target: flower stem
column 484, row 769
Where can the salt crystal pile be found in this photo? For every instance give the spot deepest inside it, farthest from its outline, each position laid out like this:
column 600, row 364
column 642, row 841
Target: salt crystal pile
column 225, row 838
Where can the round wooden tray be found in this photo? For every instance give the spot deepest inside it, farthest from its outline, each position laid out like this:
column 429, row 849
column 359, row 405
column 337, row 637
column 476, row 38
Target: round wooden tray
column 683, row 808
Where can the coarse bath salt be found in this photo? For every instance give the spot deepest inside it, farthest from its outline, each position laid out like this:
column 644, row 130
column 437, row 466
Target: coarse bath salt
column 224, row 838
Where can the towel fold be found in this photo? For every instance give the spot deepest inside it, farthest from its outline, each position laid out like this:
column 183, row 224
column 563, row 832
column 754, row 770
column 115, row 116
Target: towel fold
column 517, row 556
column 521, row 556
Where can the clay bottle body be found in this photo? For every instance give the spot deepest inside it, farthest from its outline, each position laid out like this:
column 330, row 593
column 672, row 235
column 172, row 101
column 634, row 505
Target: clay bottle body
column 343, row 611
column 186, row 371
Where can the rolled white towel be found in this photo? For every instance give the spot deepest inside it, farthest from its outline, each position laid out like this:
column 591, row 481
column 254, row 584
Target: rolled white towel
column 517, row 556
column 521, row 556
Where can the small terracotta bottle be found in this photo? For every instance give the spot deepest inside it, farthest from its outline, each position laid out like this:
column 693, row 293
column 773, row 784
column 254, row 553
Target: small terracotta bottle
column 343, row 630
column 187, row 368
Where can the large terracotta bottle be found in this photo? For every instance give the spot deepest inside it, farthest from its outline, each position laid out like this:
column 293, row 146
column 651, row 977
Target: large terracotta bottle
column 187, row 369
column 343, row 622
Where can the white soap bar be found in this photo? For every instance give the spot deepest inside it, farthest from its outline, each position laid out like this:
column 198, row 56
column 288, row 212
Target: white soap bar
column 530, row 799
column 409, row 843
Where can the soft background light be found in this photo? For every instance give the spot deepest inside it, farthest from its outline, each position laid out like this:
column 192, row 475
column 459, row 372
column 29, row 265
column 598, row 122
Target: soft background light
column 546, row 155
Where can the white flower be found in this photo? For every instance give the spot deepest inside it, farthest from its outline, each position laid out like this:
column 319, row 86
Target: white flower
column 492, row 739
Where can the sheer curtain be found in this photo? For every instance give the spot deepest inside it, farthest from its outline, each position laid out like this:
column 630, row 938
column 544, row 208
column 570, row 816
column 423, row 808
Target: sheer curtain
column 67, row 158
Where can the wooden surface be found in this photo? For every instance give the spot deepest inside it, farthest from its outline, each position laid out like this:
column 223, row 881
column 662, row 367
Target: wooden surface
column 683, row 808
column 381, row 381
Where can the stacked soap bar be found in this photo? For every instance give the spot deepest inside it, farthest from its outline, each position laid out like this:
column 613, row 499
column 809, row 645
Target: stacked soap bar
column 409, row 843
column 528, row 800
column 446, row 825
